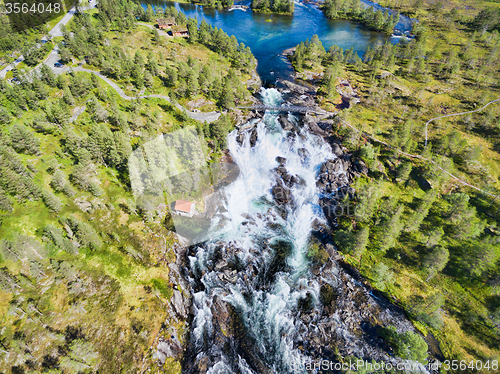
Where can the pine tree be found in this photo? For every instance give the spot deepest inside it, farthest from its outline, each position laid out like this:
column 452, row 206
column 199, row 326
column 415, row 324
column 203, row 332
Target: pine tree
column 390, row 228
column 149, row 14
column 205, row 33
column 435, row 261
column 85, row 233
column 481, row 258
column 192, row 83
column 123, row 149
column 57, row 237
column 171, row 76
column 193, row 30
column 404, row 171
column 361, row 241
column 330, row 79
column 416, row 219
column 68, row 97
column 381, row 275
column 433, row 236
column 23, row 140
column 367, row 201
column 51, row 201
column 60, row 184
column 5, row 201
column 219, row 130
column 48, row 76
column 408, row 345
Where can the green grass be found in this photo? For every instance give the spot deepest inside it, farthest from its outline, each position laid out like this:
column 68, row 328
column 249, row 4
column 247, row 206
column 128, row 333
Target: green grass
column 467, row 333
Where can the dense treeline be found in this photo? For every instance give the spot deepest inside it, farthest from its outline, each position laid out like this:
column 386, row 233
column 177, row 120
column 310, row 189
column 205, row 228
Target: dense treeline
column 41, row 265
column 487, row 20
column 353, row 9
column 276, row 6
column 185, row 79
column 406, row 59
column 14, row 43
column 215, row 4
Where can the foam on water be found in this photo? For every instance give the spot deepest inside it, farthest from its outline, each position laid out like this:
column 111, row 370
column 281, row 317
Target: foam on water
column 266, row 311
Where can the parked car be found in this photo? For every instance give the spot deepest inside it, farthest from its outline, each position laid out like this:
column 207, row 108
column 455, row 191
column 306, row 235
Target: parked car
column 58, row 65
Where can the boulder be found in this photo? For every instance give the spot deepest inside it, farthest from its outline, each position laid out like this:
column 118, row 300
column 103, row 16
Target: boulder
column 312, row 125
column 337, row 150
column 179, row 304
column 280, row 193
column 222, row 317
column 285, row 123
column 281, row 160
column 253, row 137
column 170, row 347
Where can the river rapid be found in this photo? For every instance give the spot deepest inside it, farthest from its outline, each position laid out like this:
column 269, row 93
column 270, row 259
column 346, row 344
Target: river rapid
column 258, row 300
column 262, row 297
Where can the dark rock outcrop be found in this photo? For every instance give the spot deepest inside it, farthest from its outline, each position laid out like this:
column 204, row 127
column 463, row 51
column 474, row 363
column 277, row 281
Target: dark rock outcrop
column 253, row 136
column 285, row 123
column 333, row 174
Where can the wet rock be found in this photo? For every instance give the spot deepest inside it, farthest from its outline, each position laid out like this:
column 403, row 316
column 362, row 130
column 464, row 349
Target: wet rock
column 303, row 153
column 240, row 137
column 285, row 123
column 222, row 317
column 288, row 179
column 281, row 194
column 281, row 160
column 220, row 265
column 179, row 304
column 253, row 137
column 333, row 175
column 281, row 170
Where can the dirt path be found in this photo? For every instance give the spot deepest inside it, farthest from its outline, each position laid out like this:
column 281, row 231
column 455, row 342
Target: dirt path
column 456, row 114
column 160, row 32
column 465, row 183
column 198, row 116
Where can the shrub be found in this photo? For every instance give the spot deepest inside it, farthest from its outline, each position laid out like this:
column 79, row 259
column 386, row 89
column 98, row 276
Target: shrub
column 407, row 345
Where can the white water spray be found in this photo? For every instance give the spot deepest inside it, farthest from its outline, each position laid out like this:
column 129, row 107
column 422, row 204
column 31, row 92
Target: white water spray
column 254, row 218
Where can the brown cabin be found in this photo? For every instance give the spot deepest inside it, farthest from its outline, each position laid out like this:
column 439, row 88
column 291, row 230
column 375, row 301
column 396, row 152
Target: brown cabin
column 166, row 23
column 180, row 31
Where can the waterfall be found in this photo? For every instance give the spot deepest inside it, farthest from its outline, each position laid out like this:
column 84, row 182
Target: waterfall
column 258, row 227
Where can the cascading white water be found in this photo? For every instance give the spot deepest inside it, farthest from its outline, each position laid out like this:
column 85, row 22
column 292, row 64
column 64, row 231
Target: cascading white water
column 254, row 218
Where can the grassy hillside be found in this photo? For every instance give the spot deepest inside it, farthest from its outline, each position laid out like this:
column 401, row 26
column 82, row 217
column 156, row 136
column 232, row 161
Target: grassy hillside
column 84, row 278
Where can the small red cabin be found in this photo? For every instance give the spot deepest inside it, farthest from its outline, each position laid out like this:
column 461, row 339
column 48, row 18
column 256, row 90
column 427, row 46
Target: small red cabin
column 180, row 31
column 166, row 23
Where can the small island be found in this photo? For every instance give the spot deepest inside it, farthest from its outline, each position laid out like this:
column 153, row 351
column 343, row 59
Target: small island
column 273, row 6
column 355, row 10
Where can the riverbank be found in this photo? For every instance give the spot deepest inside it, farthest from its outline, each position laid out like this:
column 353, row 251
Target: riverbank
column 407, row 229
column 268, row 39
column 274, row 277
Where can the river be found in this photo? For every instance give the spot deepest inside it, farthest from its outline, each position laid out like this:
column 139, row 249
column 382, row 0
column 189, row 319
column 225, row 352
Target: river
column 268, row 35
column 258, row 301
